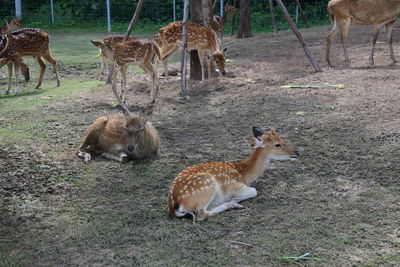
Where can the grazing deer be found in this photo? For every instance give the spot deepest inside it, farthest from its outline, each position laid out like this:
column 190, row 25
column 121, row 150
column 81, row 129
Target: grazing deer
column 122, row 136
column 26, row 42
column 135, row 50
column 207, row 189
column 14, row 25
column 218, row 23
column 364, row 12
column 199, row 37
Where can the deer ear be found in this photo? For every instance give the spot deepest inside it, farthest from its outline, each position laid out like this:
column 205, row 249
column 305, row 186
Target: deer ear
column 254, row 142
column 272, row 131
column 147, row 111
column 258, row 132
column 96, row 43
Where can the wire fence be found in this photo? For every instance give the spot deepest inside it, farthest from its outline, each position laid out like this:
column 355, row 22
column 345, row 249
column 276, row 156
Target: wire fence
column 92, row 14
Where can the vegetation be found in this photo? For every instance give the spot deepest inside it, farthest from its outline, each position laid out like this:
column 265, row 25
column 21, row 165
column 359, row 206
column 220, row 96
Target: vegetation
column 91, row 15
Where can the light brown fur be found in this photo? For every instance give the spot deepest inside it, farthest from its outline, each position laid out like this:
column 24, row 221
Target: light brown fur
column 206, row 189
column 199, row 37
column 14, row 25
column 364, row 12
column 26, row 42
column 121, row 137
column 135, row 50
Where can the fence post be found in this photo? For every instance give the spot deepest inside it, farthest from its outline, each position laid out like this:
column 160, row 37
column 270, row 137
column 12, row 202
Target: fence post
column 18, row 9
column 221, row 7
column 174, row 9
column 108, row 16
column 184, row 88
column 52, row 11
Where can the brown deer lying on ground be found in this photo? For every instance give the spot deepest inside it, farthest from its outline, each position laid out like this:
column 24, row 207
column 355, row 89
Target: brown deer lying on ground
column 14, row 25
column 218, row 23
column 364, row 12
column 207, row 189
column 135, row 50
column 26, row 42
column 122, row 136
column 199, row 37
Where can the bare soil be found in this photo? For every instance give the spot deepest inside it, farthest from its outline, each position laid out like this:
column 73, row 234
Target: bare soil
column 339, row 201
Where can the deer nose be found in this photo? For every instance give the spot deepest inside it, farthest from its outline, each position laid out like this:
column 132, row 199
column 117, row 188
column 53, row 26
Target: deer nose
column 223, row 73
column 131, row 148
column 297, row 153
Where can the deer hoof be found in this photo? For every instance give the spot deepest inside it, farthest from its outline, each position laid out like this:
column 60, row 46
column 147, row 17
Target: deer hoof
column 235, row 205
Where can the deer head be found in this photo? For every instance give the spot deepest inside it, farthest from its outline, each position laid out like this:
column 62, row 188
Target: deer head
column 219, row 58
column 105, row 48
column 271, row 144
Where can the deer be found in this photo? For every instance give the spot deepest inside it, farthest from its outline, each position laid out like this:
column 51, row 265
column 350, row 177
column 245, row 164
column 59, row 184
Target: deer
column 206, row 189
column 364, row 12
column 199, row 37
column 26, row 42
column 123, row 136
column 135, row 50
column 14, row 25
column 218, row 23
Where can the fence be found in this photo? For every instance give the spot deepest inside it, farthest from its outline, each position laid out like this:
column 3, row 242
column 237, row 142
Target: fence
column 92, row 14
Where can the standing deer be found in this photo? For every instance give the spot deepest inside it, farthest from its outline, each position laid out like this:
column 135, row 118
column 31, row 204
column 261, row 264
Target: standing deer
column 364, row 12
column 207, row 189
column 218, row 23
column 135, row 50
column 14, row 25
column 199, row 37
column 26, row 42
column 122, row 136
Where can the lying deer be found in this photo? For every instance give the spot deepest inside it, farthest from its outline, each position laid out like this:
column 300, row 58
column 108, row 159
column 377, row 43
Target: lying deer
column 135, row 50
column 14, row 25
column 218, row 23
column 199, row 37
column 26, row 42
column 364, row 12
column 121, row 136
column 207, row 189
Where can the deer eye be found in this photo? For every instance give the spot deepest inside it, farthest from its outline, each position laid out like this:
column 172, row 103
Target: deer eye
column 278, row 145
column 217, row 61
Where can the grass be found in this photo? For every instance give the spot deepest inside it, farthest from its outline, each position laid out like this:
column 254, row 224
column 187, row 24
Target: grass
column 107, row 213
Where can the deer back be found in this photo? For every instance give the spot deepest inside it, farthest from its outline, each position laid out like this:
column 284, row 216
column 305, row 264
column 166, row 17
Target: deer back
column 133, row 50
column 198, row 37
column 27, row 42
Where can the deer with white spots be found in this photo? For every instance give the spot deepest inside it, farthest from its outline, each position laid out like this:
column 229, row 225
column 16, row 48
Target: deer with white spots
column 218, row 23
column 207, row 189
column 26, row 42
column 122, row 136
column 140, row 51
column 199, row 37
column 14, row 25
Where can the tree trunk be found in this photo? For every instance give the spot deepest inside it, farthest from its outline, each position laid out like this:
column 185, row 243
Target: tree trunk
column 199, row 9
column 244, row 19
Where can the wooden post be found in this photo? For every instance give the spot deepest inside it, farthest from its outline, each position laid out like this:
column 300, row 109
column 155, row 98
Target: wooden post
column 184, row 93
column 233, row 19
column 303, row 16
column 299, row 36
column 134, row 19
column 272, row 10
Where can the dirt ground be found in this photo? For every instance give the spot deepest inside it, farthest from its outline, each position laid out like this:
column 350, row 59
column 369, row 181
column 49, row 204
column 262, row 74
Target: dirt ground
column 339, row 201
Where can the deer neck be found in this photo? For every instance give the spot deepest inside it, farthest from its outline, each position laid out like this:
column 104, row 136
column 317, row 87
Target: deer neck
column 254, row 166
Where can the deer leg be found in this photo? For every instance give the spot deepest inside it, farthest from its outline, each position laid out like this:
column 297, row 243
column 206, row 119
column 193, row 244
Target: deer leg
column 166, row 52
column 389, row 34
column 329, row 38
column 122, row 69
column 147, row 67
column 54, row 66
column 42, row 68
column 9, row 68
column 1, row 74
column 16, row 70
column 375, row 34
column 344, row 29
column 244, row 193
column 122, row 157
